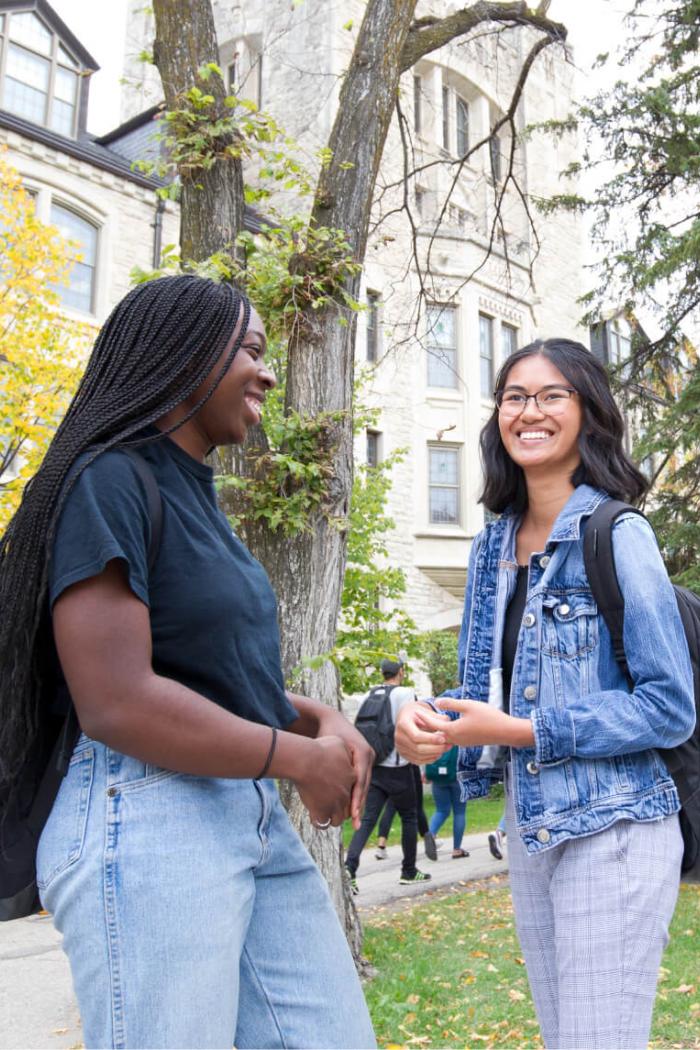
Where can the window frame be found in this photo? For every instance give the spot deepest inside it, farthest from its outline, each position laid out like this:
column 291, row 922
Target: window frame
column 417, row 104
column 486, row 394
column 456, row 488
column 430, row 346
column 507, row 327
column 495, row 158
column 54, row 62
column 373, row 438
column 56, row 201
column 446, row 118
column 461, row 105
column 372, row 330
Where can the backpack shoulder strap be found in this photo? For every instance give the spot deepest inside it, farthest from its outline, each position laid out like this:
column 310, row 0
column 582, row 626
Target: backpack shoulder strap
column 599, row 561
column 154, row 500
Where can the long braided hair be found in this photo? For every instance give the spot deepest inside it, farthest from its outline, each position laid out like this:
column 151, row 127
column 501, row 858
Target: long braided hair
column 157, row 346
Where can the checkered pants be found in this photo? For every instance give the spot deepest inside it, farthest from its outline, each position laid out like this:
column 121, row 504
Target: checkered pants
column 592, row 915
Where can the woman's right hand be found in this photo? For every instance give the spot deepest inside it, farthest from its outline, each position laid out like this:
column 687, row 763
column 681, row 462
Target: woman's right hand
column 415, row 738
column 325, row 786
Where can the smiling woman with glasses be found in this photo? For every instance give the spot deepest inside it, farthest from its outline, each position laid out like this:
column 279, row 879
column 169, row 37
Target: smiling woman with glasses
column 594, row 843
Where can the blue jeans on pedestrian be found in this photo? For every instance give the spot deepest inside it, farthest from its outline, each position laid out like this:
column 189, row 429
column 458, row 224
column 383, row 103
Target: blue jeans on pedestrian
column 448, row 798
column 192, row 914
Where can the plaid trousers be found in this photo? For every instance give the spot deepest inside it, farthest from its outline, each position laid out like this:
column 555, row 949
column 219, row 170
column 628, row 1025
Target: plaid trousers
column 592, row 916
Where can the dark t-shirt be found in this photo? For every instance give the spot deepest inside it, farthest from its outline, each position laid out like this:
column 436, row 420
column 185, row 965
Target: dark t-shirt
column 511, row 630
column 213, row 612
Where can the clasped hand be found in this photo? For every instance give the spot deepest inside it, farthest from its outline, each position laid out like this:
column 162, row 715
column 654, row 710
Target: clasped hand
column 338, row 778
column 422, row 735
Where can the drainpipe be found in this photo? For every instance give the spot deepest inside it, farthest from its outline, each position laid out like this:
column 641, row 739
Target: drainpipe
column 158, row 232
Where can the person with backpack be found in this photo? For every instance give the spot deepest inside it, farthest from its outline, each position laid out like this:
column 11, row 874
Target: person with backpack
column 392, row 775
column 595, row 843
column 442, row 777
column 191, row 913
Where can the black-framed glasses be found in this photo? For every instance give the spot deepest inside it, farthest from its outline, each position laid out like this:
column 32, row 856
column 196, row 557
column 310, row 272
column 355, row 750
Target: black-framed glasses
column 552, row 400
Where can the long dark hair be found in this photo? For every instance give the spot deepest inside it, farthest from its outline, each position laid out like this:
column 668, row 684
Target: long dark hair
column 604, row 462
column 158, row 344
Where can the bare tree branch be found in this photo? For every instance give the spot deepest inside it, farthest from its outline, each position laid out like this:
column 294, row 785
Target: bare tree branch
column 429, row 33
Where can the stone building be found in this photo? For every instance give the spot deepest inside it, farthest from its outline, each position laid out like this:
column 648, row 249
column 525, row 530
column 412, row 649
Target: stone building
column 442, row 311
column 82, row 184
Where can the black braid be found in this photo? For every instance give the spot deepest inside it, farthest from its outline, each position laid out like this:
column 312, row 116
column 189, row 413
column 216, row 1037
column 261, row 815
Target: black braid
column 157, row 346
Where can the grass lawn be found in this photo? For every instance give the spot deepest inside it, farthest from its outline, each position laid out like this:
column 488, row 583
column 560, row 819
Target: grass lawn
column 482, row 815
column 450, row 974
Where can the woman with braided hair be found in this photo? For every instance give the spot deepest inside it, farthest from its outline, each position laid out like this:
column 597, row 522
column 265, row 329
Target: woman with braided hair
column 191, row 913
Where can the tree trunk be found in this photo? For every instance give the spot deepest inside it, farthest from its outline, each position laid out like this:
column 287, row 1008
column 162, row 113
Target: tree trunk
column 212, row 199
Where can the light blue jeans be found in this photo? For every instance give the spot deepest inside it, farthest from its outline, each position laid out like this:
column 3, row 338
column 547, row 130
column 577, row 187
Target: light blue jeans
column 448, row 798
column 192, row 914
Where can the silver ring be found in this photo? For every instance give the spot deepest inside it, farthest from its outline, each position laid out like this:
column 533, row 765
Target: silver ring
column 322, row 824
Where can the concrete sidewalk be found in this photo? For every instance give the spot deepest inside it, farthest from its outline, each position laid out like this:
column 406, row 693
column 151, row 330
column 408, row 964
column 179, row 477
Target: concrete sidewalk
column 378, row 880
column 37, row 1007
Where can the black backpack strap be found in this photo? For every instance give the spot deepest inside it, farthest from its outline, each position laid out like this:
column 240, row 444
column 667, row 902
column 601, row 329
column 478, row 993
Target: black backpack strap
column 154, row 499
column 599, row 562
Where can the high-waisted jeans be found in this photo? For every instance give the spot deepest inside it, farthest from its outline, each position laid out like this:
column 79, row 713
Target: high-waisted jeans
column 192, row 914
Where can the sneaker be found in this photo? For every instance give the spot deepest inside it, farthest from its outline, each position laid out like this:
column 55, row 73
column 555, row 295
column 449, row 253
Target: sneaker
column 354, row 888
column 418, row 876
column 496, row 844
column 380, row 853
column 430, row 847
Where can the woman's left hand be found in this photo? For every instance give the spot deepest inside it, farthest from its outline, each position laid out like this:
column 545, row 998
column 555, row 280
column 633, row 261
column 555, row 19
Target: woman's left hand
column 333, row 723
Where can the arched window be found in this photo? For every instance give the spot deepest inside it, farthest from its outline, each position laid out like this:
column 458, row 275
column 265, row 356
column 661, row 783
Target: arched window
column 461, row 126
column 39, row 76
column 79, row 294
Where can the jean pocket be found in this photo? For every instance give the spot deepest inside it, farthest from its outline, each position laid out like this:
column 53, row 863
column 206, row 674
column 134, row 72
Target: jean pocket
column 63, row 837
column 569, row 624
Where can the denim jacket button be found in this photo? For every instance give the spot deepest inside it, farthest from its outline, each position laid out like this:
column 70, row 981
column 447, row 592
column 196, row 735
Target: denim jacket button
column 529, row 620
column 564, row 609
column 530, row 692
column 543, row 835
column 533, row 768
column 544, row 561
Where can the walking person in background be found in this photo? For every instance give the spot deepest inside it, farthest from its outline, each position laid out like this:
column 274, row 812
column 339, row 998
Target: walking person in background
column 168, row 862
column 387, row 818
column 442, row 777
column 594, row 841
column 392, row 778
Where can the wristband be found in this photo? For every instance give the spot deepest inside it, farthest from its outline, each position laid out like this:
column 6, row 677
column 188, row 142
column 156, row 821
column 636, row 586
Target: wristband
column 270, row 753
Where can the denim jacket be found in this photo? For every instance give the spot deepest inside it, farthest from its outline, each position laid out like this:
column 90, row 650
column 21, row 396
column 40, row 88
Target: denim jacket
column 594, row 760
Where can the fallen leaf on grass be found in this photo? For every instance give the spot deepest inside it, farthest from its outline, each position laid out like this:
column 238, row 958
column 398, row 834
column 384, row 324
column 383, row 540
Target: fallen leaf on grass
column 515, row 995
column 491, row 968
column 684, row 988
column 413, row 999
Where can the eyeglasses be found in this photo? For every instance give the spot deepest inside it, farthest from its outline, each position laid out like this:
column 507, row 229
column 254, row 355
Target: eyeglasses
column 552, row 400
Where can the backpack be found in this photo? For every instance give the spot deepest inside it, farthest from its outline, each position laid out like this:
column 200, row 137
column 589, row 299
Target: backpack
column 682, row 761
column 444, row 769
column 375, row 722
column 26, row 802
